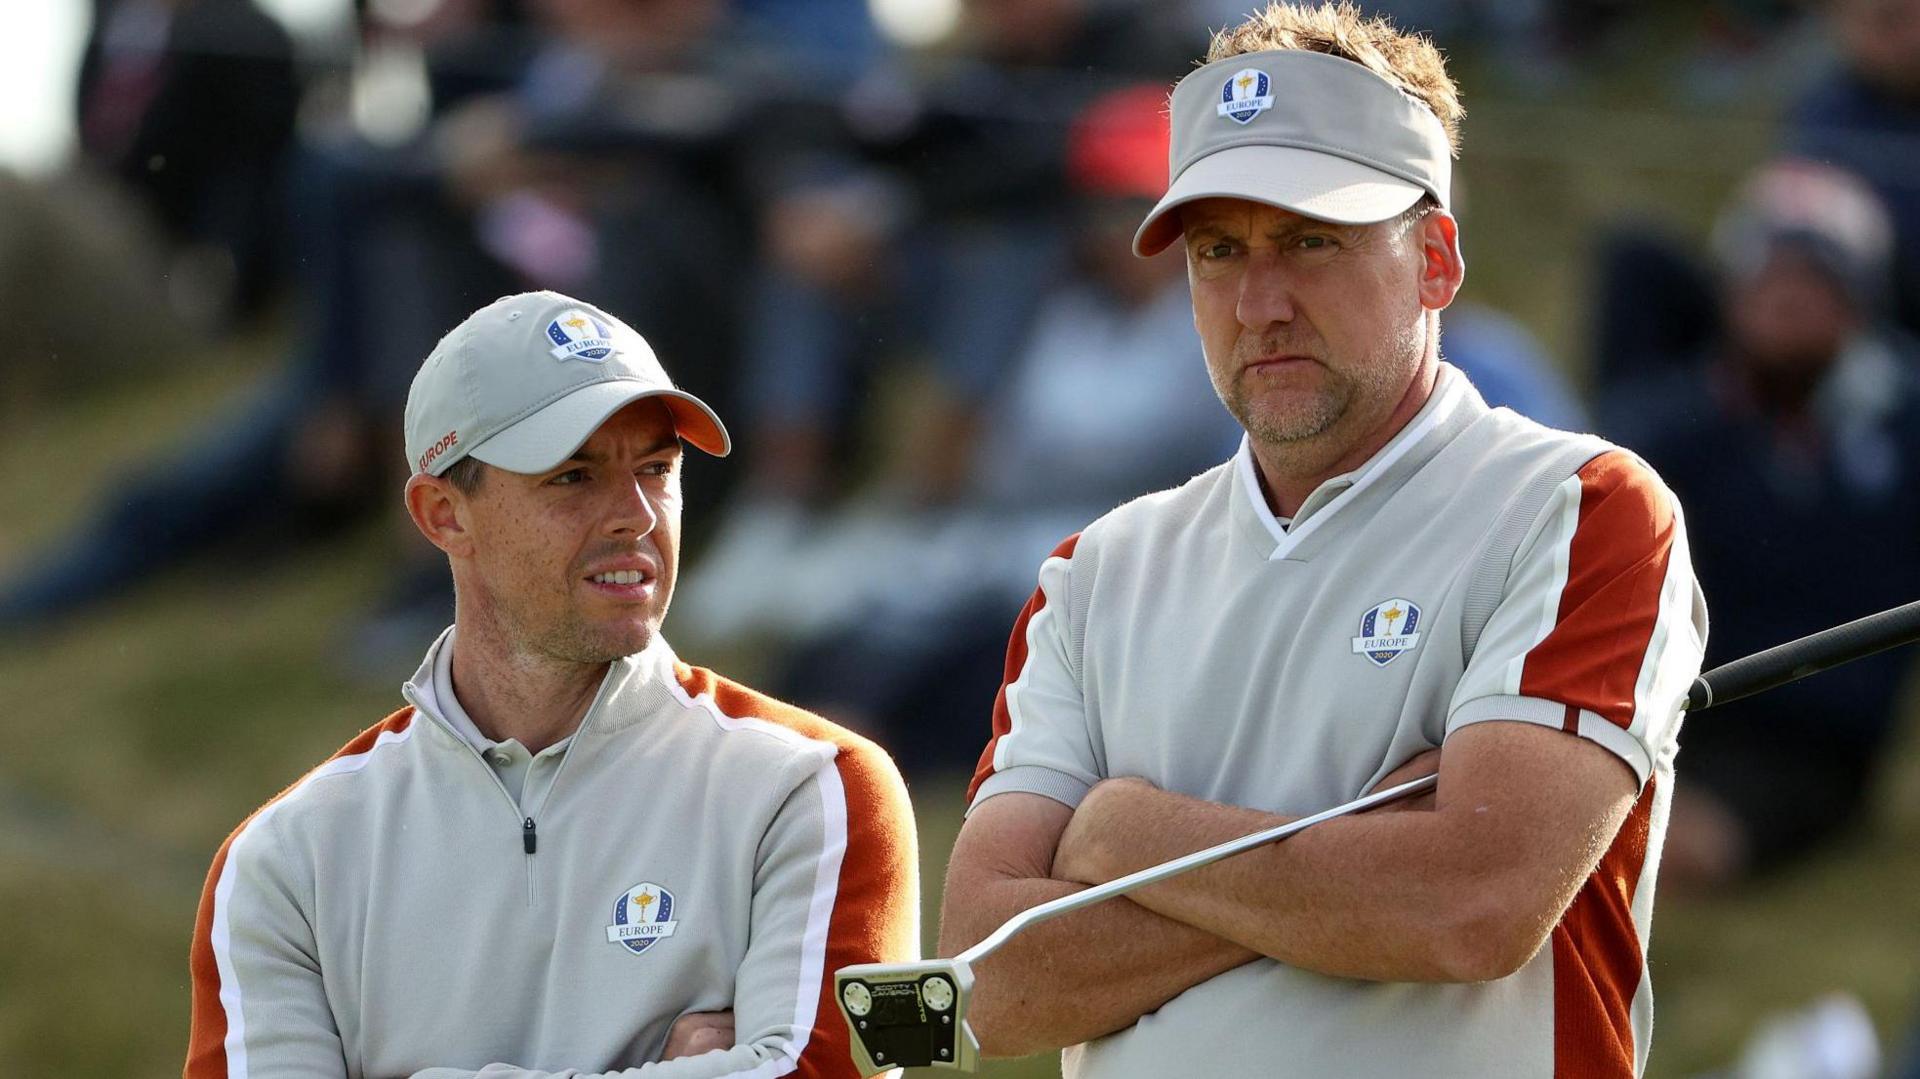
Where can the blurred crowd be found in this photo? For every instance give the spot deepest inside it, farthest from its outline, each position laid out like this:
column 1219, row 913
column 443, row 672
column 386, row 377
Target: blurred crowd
column 900, row 271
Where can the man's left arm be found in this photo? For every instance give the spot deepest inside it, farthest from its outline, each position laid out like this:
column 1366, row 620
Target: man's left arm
column 1465, row 891
column 1571, row 698
column 838, row 883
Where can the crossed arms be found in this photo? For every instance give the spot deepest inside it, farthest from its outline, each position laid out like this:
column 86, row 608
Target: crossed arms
column 834, row 882
column 1461, row 887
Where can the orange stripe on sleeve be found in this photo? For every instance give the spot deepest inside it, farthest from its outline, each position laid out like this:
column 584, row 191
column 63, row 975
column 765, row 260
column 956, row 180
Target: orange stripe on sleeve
column 877, row 902
column 1597, row 960
column 1616, row 566
column 1016, row 662
column 207, row 1034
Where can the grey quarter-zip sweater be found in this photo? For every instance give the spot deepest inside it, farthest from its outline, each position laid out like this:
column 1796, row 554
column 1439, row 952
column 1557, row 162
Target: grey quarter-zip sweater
column 695, row 846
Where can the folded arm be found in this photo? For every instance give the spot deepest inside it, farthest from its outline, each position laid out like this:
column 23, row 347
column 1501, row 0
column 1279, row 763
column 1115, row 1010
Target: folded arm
column 835, row 883
column 1076, row 977
column 1464, row 891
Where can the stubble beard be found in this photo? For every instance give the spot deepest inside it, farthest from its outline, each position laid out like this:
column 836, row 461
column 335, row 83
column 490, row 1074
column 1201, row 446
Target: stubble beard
column 1303, row 417
column 570, row 638
column 1308, row 422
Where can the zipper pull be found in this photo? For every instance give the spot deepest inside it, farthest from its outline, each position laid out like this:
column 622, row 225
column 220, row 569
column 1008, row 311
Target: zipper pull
column 528, row 839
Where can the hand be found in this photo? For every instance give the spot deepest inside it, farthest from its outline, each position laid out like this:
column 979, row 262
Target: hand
column 1079, row 857
column 699, row 1032
column 1421, row 764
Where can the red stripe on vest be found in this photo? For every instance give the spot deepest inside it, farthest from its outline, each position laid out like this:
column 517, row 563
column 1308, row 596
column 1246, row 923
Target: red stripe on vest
column 1016, row 663
column 1615, row 569
column 1597, row 960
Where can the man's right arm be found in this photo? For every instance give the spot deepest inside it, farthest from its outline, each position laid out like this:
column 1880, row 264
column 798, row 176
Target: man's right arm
column 1073, row 978
column 1089, row 973
column 259, row 1005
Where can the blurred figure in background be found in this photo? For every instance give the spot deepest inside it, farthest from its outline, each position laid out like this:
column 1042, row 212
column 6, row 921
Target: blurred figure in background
column 562, row 150
column 1106, row 398
column 190, row 104
column 895, row 610
column 1864, row 116
column 923, row 230
column 170, row 221
column 1794, row 443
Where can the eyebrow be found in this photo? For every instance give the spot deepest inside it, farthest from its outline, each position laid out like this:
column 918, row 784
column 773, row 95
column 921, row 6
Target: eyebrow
column 1290, row 226
column 1206, row 229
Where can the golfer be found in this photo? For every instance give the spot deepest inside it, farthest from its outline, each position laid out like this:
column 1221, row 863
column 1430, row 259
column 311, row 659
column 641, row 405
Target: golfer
column 1389, row 577
column 570, row 854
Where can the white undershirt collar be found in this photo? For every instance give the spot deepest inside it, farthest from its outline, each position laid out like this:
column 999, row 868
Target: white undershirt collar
column 1326, row 499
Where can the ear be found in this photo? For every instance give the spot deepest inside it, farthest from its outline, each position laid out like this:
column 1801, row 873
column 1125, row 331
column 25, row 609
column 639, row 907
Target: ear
column 1442, row 267
column 438, row 511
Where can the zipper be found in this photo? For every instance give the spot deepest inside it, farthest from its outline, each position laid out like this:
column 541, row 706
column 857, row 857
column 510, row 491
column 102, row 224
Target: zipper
column 529, row 842
column 529, row 838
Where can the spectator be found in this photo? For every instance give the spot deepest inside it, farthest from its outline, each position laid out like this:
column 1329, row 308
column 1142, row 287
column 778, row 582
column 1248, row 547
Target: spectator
column 901, row 243
column 1107, row 397
column 190, row 103
column 1864, row 116
column 540, row 172
column 1794, row 444
column 170, row 217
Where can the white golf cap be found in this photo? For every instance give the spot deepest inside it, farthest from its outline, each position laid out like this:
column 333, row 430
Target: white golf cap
column 1305, row 131
column 527, row 379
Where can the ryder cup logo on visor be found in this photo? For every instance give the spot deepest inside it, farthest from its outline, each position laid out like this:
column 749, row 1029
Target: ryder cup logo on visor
column 1388, row 630
column 642, row 917
column 577, row 335
column 1245, row 95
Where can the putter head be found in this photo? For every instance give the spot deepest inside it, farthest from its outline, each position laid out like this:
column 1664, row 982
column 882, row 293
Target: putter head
column 908, row 1015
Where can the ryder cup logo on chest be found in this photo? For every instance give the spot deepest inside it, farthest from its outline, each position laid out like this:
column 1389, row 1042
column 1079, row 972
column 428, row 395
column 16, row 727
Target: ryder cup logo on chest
column 1246, row 95
column 1388, row 629
column 578, row 335
column 642, row 917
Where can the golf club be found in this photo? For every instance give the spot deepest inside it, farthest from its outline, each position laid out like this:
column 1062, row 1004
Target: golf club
column 915, row 1014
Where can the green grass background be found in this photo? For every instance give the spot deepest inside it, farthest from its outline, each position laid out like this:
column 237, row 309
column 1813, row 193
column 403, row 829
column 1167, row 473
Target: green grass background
column 133, row 740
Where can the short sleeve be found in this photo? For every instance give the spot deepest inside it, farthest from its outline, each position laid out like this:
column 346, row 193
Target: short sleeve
column 1040, row 742
column 1602, row 626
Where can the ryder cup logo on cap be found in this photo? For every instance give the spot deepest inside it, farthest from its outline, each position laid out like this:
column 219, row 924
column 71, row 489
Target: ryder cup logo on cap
column 492, row 389
column 642, row 917
column 1335, row 141
column 1245, row 95
column 1387, row 630
column 577, row 335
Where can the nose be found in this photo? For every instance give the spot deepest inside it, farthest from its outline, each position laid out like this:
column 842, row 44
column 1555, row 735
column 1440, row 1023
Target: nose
column 1266, row 291
column 632, row 512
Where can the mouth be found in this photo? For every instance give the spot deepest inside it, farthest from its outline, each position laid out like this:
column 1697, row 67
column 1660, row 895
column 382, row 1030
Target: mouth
column 637, row 581
column 1270, row 365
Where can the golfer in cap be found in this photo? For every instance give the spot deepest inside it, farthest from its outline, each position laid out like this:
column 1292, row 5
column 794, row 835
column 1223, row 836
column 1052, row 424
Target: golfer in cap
column 570, row 853
column 1387, row 579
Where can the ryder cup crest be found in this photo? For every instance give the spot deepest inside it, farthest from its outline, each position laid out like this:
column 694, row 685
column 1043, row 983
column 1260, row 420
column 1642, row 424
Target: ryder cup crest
column 578, row 335
column 642, row 917
column 1245, row 95
column 1388, row 629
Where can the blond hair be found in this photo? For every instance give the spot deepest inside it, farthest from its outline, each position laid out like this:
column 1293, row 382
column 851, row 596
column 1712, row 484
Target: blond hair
column 1409, row 61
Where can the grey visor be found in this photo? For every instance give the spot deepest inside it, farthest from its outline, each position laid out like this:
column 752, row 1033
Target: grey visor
column 1307, row 132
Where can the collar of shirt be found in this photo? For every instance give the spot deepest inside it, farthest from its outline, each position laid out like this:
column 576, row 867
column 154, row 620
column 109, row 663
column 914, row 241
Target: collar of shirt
column 455, row 713
column 431, row 690
column 1403, row 454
